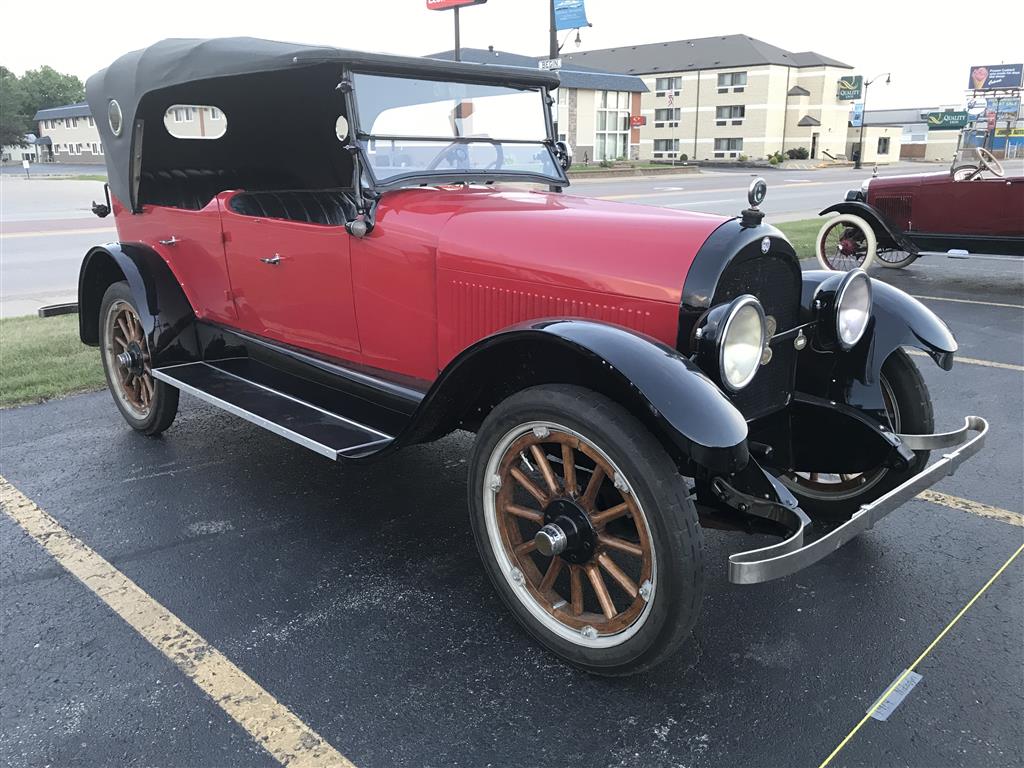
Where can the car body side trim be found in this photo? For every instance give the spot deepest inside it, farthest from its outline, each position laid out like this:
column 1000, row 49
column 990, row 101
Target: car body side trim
column 782, row 559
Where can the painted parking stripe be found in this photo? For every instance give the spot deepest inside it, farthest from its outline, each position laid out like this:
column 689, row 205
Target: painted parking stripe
column 55, row 232
column 274, row 727
column 969, row 301
column 974, row 507
column 909, row 670
column 973, row 361
column 639, row 195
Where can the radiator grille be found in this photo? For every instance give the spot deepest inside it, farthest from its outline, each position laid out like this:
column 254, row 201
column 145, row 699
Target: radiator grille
column 775, row 280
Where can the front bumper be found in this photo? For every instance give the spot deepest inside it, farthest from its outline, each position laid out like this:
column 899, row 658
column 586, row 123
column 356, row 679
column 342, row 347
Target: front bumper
column 792, row 555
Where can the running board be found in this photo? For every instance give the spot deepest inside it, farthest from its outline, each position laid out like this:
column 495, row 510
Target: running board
column 321, row 430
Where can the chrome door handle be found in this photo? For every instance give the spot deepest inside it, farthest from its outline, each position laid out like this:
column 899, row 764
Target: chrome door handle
column 172, row 241
column 273, row 260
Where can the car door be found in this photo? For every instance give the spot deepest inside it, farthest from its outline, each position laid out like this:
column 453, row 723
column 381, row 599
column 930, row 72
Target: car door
column 292, row 281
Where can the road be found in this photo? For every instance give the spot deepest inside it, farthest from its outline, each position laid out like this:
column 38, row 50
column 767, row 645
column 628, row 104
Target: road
column 353, row 596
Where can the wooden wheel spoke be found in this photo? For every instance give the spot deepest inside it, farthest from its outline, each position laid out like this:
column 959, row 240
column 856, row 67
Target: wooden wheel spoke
column 590, row 495
column 545, row 469
column 528, row 485
column 525, row 513
column 597, row 582
column 121, row 342
column 124, row 328
column 621, row 545
column 576, row 589
column 606, row 516
column 569, row 469
column 526, row 547
column 620, row 577
column 554, row 568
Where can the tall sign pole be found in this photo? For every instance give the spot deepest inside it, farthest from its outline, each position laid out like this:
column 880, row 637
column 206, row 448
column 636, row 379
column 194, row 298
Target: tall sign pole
column 453, row 5
column 458, row 47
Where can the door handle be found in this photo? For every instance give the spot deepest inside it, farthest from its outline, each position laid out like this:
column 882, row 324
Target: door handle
column 273, row 260
column 172, row 241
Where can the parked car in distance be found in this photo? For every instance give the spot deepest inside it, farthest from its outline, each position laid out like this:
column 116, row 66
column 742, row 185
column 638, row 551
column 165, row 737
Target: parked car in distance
column 971, row 210
column 411, row 267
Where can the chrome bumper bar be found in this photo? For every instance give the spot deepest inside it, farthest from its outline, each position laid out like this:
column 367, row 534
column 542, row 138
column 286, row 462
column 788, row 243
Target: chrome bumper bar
column 791, row 555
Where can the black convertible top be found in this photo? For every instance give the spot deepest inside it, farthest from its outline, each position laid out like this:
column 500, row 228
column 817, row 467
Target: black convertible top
column 169, row 64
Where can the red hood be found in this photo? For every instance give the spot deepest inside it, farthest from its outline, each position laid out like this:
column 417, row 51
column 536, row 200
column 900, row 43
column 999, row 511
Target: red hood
column 550, row 239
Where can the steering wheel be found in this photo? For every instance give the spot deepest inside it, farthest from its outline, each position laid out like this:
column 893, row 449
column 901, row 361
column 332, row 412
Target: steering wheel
column 990, row 164
column 457, row 153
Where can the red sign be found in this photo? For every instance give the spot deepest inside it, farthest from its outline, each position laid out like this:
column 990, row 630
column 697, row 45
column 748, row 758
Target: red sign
column 635, row 121
column 447, row 5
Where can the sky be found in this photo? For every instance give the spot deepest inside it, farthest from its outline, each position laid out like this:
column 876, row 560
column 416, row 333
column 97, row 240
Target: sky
column 929, row 51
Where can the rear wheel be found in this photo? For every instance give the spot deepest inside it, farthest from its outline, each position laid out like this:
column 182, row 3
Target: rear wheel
column 613, row 583
column 147, row 404
column 846, row 242
column 895, row 259
column 908, row 405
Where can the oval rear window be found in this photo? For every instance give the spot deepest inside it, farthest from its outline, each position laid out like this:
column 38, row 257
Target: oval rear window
column 114, row 117
column 195, row 121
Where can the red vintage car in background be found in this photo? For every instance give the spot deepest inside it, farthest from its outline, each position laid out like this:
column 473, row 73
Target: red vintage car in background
column 973, row 209
column 411, row 267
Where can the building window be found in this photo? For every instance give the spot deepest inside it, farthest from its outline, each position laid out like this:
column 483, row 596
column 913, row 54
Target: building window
column 91, row 121
column 733, row 114
column 728, row 145
column 611, row 141
column 732, row 79
column 563, row 96
column 183, row 114
column 666, row 148
column 664, row 86
column 883, row 145
column 666, row 118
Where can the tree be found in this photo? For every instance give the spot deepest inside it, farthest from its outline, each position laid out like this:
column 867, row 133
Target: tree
column 14, row 123
column 46, row 87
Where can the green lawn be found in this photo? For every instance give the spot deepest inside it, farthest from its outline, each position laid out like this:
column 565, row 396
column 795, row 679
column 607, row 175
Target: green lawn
column 76, row 177
column 802, row 234
column 42, row 358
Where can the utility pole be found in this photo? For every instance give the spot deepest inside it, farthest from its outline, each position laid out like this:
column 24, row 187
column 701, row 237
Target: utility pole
column 864, row 116
column 458, row 48
column 553, row 54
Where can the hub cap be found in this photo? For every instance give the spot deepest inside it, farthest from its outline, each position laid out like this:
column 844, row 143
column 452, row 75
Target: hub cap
column 569, row 535
column 124, row 346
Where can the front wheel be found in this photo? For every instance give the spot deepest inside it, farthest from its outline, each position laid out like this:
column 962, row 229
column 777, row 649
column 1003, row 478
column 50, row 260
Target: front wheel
column 846, row 242
column 613, row 583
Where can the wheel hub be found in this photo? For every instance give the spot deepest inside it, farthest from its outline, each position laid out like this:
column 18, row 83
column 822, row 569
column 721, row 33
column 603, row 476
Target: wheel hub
column 132, row 358
column 567, row 532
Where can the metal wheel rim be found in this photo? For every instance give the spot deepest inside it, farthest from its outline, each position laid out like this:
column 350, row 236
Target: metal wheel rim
column 134, row 389
column 532, row 584
column 847, row 485
column 833, row 253
column 890, row 256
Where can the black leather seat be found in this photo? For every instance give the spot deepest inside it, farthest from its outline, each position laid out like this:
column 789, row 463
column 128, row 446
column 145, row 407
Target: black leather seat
column 314, row 206
column 194, row 188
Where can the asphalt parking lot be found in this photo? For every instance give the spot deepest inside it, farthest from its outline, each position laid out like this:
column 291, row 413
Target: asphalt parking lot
column 355, row 598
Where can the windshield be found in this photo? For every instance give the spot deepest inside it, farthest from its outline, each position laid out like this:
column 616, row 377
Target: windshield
column 410, row 126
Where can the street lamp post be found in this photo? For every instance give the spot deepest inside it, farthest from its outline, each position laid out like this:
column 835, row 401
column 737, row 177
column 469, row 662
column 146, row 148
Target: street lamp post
column 864, row 116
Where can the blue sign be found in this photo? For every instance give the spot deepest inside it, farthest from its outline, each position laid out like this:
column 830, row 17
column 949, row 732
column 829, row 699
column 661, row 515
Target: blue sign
column 857, row 115
column 570, row 14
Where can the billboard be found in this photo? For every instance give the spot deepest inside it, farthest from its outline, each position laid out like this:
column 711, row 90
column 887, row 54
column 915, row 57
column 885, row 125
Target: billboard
column 947, row 121
column 1006, row 108
column 851, row 87
column 570, row 14
column 992, row 76
column 447, row 5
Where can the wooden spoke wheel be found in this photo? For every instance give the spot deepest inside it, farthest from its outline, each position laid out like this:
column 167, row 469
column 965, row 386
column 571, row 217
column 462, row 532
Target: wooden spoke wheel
column 554, row 486
column 586, row 529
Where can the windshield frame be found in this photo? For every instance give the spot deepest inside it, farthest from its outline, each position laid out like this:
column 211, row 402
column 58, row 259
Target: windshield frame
column 358, row 138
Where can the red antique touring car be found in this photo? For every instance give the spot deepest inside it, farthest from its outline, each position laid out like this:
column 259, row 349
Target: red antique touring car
column 378, row 279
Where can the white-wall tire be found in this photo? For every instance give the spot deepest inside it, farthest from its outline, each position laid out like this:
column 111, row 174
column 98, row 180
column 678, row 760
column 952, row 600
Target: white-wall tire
column 827, row 251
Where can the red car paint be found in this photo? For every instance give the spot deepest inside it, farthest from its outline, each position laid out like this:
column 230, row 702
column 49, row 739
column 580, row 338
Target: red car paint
column 389, row 300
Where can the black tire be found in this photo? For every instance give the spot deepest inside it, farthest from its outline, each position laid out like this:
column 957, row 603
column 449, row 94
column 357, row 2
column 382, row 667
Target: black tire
column 669, row 519
column 162, row 406
column 912, row 415
column 895, row 259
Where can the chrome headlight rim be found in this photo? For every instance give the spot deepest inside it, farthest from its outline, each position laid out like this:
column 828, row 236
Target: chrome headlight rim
column 842, row 291
column 735, row 307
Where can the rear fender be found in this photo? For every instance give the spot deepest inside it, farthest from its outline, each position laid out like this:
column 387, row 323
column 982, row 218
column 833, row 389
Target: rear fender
column 165, row 313
column 681, row 406
column 887, row 236
column 898, row 320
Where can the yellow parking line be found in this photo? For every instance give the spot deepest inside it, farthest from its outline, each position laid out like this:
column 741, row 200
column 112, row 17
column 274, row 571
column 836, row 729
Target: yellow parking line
column 973, row 361
column 52, row 232
column 920, row 658
column 974, row 507
column 970, row 301
column 274, row 727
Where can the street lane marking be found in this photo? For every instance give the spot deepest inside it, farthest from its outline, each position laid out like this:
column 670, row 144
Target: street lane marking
column 52, row 232
column 970, row 301
column 638, row 195
column 974, row 507
column 274, row 727
column 973, row 361
column 920, row 658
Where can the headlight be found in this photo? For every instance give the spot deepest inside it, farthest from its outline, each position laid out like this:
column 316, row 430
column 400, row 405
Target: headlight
column 853, row 308
column 730, row 341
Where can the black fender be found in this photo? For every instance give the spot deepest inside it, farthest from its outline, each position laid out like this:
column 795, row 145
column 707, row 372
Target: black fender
column 682, row 407
column 898, row 320
column 887, row 236
column 166, row 315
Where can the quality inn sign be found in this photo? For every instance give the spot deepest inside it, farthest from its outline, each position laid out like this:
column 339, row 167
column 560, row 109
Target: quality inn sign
column 851, row 87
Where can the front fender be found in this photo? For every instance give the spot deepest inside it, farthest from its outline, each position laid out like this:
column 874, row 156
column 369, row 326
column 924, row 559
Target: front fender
column 898, row 320
column 681, row 406
column 887, row 236
column 165, row 312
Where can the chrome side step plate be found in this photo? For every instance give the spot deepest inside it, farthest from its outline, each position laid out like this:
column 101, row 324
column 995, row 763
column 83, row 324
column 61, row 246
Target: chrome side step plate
column 329, row 434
